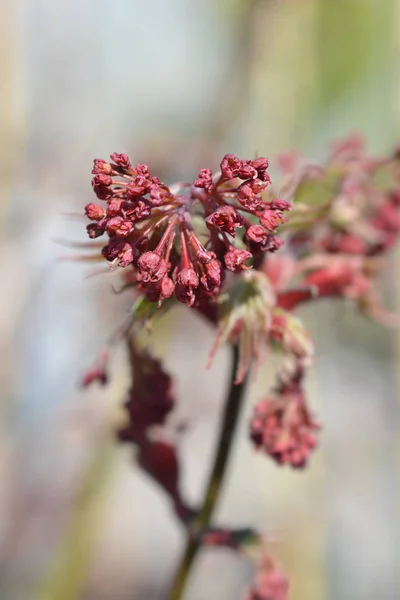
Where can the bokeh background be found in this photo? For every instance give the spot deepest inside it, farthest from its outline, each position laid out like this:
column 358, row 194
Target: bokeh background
column 177, row 83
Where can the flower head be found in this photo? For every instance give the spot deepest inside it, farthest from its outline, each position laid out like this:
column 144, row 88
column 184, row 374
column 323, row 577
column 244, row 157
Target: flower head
column 151, row 226
column 348, row 206
column 283, row 427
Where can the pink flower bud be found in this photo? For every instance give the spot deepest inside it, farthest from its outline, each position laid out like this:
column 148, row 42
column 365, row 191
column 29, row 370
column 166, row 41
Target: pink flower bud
column 121, row 160
column 187, row 277
column 136, row 211
column 257, row 234
column 271, row 219
column 211, row 280
column 137, row 187
column 230, row 166
column 247, row 171
column 284, row 428
column 114, row 207
column 167, row 288
column 248, row 197
column 94, row 212
column 225, row 219
column 101, row 166
column 118, row 226
column 278, row 204
column 152, row 267
column 102, row 179
column 235, row 258
column 142, row 170
column 260, row 164
column 158, row 195
column 205, row 179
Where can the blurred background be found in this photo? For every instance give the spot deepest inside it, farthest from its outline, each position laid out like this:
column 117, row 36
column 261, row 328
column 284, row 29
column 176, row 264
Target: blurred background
column 178, row 83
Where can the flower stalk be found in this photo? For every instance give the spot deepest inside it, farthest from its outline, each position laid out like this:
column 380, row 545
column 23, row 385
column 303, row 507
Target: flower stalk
column 201, row 522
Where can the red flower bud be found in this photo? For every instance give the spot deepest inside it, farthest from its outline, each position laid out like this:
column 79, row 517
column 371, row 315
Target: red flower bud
column 158, row 195
column 101, row 166
column 248, row 197
column 247, row 171
column 187, row 277
column 94, row 212
column 211, row 280
column 230, row 166
column 235, row 258
column 137, row 187
column 152, row 267
column 101, row 179
column 260, row 164
column 122, row 160
column 114, row 207
column 278, row 204
column 142, row 170
column 257, row 234
column 225, row 219
column 167, row 288
column 118, row 226
column 205, row 179
column 271, row 219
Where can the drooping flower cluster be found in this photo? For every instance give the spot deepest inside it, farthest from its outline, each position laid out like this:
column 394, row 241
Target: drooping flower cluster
column 181, row 240
column 283, row 427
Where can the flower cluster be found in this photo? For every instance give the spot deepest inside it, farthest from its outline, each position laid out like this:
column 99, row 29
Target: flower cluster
column 190, row 239
column 355, row 200
column 182, row 240
column 283, row 426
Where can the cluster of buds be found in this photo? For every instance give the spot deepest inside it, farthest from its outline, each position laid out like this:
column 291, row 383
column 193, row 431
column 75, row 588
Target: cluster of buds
column 353, row 201
column 182, row 240
column 283, row 426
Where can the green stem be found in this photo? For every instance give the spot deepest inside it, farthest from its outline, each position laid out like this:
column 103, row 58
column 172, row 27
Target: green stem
column 202, row 520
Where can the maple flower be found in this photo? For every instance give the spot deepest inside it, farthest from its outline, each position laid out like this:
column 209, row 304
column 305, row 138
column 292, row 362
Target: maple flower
column 351, row 205
column 283, row 426
column 156, row 228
